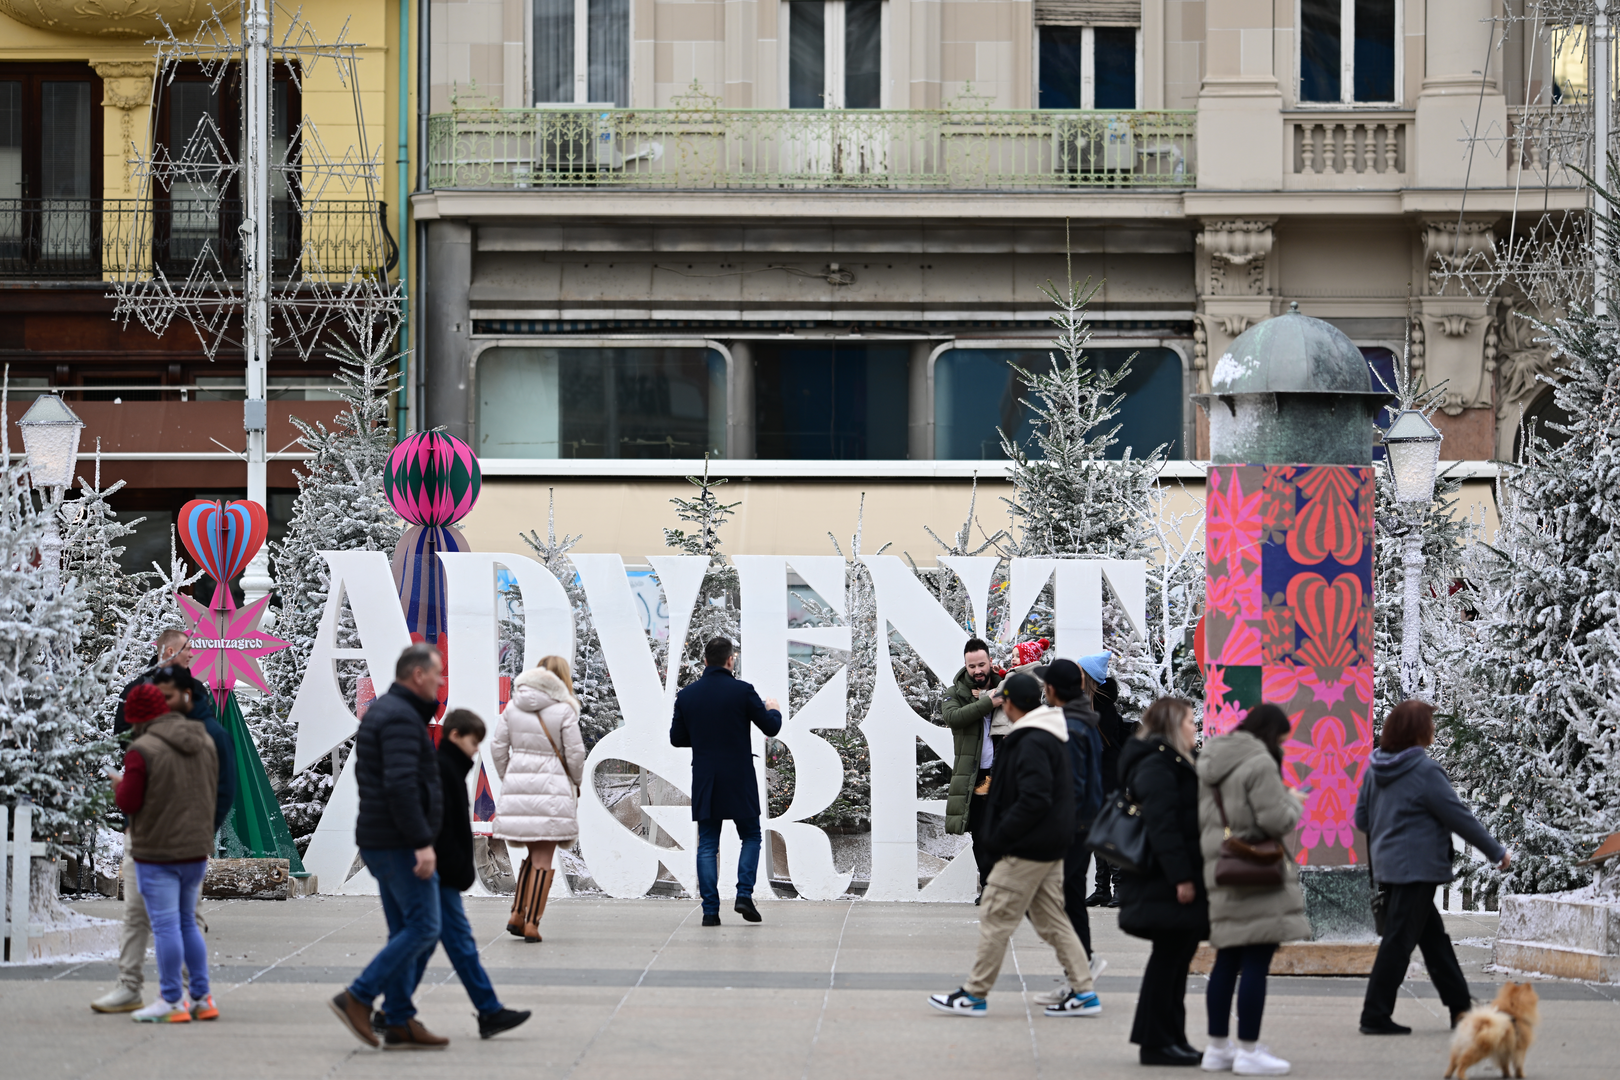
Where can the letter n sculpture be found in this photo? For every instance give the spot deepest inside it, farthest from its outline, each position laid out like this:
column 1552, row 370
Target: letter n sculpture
column 227, row 644
column 1289, row 548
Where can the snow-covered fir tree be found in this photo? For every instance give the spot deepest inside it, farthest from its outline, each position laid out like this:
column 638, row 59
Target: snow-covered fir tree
column 52, row 749
column 599, row 711
column 340, row 506
column 716, row 614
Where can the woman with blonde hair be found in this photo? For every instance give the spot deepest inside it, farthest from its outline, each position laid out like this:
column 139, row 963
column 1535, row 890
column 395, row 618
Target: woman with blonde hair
column 540, row 758
column 1166, row 902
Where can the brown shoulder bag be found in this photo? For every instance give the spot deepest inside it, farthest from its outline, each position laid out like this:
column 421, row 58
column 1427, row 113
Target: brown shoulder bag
column 1257, row 864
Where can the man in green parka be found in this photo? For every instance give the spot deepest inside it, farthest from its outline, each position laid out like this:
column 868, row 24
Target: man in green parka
column 970, row 709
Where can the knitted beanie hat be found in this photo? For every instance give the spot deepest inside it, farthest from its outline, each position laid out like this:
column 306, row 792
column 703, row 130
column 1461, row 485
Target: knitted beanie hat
column 145, row 702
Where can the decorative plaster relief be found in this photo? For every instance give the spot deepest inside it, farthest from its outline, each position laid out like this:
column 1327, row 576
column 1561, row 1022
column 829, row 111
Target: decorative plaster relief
column 1452, row 248
column 1237, row 244
column 126, row 85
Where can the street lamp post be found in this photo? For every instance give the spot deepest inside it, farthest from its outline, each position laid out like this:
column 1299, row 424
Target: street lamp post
column 1412, row 450
column 50, row 434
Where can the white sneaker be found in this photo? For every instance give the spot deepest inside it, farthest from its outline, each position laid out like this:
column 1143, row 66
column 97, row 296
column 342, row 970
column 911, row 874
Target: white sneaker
column 1098, row 966
column 1053, row 997
column 164, row 1012
column 119, row 999
column 1259, row 1062
column 1219, row 1055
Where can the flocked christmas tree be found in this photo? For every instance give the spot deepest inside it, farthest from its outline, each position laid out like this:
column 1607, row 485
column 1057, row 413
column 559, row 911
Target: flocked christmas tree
column 716, row 614
column 340, row 507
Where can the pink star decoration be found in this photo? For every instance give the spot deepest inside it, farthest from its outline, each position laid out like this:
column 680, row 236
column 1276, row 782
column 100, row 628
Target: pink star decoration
column 228, row 644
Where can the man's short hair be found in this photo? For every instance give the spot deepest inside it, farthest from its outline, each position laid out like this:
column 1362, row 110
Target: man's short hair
column 1022, row 690
column 717, row 652
column 172, row 636
column 459, row 721
column 416, row 656
column 975, row 645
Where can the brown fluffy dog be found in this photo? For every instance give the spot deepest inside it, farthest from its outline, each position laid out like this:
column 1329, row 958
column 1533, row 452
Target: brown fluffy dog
column 1503, row 1029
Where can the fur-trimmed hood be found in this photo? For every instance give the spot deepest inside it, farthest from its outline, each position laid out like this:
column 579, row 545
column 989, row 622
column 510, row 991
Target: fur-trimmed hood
column 536, row 688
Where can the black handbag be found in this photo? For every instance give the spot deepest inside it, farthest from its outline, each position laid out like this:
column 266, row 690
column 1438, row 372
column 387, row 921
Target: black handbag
column 1119, row 834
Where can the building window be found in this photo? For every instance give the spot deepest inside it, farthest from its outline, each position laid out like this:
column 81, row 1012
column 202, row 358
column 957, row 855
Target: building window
column 835, row 53
column 50, row 166
column 1331, row 73
column 1089, row 67
column 836, row 402
column 978, row 391
column 601, row 403
column 582, row 52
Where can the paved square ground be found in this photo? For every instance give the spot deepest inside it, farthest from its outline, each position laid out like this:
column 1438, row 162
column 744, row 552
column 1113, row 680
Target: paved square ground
column 638, row 988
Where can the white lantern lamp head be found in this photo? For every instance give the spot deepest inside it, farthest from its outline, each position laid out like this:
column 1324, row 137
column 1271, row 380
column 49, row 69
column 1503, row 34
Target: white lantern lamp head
column 50, row 434
column 1412, row 448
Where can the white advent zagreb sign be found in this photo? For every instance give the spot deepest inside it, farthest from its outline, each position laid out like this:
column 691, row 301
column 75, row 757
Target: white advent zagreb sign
column 622, row 862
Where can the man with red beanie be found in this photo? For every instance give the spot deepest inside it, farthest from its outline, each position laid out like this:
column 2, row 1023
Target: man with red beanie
column 167, row 789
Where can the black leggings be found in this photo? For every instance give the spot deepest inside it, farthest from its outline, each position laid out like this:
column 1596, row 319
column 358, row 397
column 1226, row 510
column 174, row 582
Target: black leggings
column 1253, row 962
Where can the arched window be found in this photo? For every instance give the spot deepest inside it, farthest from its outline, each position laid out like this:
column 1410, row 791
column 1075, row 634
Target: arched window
column 1541, row 416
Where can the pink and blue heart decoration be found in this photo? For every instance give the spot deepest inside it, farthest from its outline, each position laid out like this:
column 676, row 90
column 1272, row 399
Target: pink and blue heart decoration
column 222, row 538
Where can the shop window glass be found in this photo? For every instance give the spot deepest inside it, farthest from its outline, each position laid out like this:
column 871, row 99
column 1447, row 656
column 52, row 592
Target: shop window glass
column 977, row 391
column 601, row 403
column 831, row 402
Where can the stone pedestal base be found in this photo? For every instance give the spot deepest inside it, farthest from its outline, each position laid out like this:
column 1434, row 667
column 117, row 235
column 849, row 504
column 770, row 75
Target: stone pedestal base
column 247, row 879
column 1560, row 935
column 1307, row 958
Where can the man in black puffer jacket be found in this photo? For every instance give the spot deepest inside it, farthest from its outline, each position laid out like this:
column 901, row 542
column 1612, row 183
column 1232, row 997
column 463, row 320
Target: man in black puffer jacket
column 401, row 808
column 1029, row 825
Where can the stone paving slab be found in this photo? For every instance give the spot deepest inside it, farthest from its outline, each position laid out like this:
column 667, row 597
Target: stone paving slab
column 828, row 990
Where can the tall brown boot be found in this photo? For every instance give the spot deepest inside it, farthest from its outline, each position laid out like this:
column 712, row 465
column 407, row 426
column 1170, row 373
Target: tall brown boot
column 537, row 906
column 514, row 921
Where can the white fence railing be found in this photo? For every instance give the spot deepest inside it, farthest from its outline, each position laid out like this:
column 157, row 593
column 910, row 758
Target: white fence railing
column 16, row 858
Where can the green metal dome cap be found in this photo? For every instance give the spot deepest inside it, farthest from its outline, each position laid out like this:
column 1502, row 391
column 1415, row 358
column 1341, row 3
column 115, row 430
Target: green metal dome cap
column 1292, row 390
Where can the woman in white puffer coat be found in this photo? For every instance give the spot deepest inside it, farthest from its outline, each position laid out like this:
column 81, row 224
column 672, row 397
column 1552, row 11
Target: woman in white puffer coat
column 540, row 758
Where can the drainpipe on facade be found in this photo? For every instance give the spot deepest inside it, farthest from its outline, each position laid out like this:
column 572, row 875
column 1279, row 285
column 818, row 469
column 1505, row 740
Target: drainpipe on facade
column 424, row 100
column 403, row 121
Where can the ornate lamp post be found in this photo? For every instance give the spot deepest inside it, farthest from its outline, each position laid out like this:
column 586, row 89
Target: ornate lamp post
column 1412, row 449
column 50, row 434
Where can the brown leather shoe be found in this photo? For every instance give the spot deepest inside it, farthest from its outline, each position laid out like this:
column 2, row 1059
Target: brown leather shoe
column 413, row 1036
column 354, row 1016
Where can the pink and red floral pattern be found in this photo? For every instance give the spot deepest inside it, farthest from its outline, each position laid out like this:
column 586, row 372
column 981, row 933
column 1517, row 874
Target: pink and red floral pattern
column 1289, row 620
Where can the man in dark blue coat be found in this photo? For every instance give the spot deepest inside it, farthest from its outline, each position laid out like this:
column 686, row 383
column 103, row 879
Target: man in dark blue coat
column 712, row 717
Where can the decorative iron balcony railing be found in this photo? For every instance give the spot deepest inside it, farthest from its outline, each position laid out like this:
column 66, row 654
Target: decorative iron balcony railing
column 701, row 147
column 91, row 238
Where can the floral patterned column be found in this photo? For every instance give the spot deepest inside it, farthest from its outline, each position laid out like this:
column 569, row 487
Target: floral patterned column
column 1289, row 621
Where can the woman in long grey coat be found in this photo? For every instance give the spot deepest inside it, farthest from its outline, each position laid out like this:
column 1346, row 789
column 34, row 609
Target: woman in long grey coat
column 1247, row 923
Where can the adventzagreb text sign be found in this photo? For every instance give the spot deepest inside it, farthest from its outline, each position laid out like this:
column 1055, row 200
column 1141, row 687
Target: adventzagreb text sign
column 622, row 862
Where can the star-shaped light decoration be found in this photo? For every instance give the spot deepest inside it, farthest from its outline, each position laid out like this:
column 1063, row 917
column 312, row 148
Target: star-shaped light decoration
column 228, row 644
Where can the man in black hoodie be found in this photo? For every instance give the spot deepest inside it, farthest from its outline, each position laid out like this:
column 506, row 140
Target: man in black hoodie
column 401, row 808
column 458, row 749
column 1029, row 825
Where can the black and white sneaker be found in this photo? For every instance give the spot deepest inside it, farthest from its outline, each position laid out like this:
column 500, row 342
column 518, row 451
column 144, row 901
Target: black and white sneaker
column 959, row 1003
column 1076, row 1005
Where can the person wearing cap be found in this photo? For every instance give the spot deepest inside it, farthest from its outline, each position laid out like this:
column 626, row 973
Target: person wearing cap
column 1103, row 693
column 1065, row 690
column 1029, row 826
column 166, row 789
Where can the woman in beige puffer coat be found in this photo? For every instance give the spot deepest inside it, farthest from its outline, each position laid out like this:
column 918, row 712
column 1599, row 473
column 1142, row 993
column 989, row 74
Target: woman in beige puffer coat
column 1247, row 922
column 540, row 758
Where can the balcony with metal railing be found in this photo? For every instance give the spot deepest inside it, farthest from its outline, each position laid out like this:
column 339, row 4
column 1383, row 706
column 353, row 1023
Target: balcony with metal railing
column 698, row 146
column 93, row 239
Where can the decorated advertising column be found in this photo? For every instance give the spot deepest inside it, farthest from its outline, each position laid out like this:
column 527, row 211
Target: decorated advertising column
column 227, row 643
column 1289, row 543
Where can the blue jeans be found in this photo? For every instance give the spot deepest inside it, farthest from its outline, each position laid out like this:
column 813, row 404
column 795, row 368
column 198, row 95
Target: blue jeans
column 411, row 906
column 455, row 933
column 170, row 891
column 708, row 861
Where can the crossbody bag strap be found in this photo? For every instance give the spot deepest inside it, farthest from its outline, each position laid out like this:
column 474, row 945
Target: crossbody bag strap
column 555, row 749
column 1220, row 804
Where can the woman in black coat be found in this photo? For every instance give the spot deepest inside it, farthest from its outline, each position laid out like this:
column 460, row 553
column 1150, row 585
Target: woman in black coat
column 1166, row 904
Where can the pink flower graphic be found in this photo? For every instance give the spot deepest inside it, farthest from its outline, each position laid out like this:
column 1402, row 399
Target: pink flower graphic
column 1221, row 717
column 1232, row 521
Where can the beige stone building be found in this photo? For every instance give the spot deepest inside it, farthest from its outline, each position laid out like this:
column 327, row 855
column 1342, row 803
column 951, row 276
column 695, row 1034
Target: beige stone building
column 806, row 236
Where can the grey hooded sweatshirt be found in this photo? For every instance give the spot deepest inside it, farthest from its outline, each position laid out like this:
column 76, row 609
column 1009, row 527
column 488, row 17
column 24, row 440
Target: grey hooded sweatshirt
column 1408, row 809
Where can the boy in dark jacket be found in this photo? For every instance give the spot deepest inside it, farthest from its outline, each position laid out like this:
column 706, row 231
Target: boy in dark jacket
column 1029, row 825
column 458, row 749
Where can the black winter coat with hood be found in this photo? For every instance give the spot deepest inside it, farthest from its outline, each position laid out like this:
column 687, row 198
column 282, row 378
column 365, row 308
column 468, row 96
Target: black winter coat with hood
column 454, row 845
column 1164, row 784
column 1030, row 812
column 401, row 800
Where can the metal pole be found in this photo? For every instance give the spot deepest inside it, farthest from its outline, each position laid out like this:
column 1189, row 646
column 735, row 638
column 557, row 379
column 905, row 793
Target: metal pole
column 1412, row 561
column 256, row 580
column 403, row 123
column 50, row 545
column 1601, row 100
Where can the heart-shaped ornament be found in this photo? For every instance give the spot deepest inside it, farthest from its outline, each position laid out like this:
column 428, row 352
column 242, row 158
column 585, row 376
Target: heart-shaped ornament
column 1327, row 614
column 222, row 538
